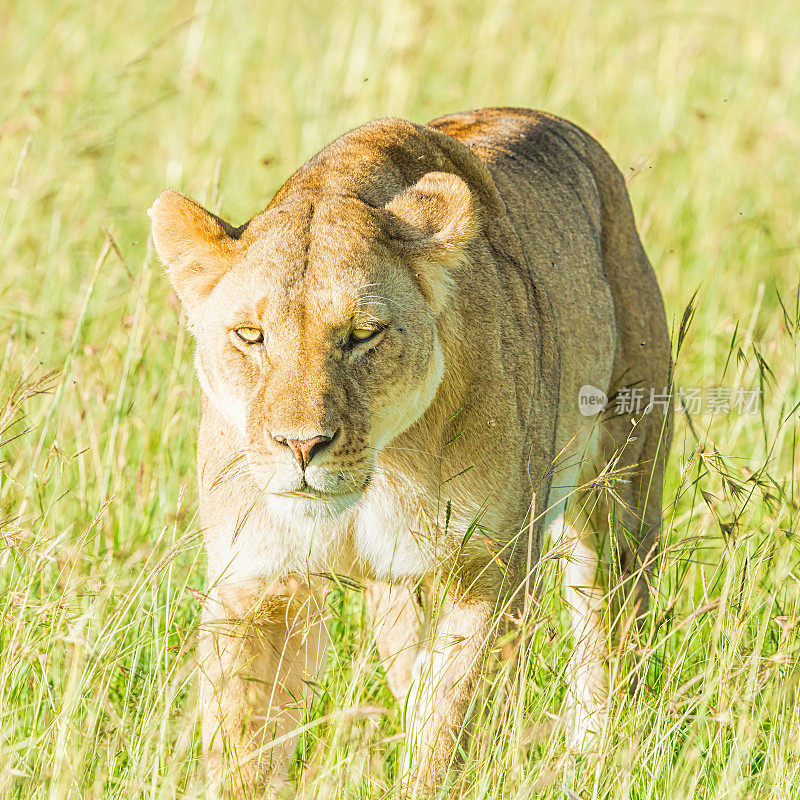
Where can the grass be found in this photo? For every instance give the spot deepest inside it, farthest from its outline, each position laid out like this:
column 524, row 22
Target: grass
column 104, row 104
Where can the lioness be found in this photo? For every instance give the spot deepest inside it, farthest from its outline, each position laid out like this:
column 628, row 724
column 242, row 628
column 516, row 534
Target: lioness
column 391, row 356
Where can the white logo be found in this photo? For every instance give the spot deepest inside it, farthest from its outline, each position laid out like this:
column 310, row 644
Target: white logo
column 591, row 400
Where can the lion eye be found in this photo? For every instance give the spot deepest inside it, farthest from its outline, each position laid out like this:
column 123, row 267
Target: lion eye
column 250, row 335
column 360, row 335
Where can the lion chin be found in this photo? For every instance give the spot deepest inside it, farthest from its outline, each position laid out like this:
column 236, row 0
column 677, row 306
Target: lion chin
column 317, row 493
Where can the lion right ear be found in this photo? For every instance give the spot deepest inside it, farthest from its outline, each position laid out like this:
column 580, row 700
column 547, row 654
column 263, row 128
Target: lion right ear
column 196, row 246
column 432, row 222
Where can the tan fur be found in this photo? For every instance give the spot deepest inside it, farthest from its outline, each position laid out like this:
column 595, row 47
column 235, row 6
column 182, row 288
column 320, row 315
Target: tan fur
column 496, row 253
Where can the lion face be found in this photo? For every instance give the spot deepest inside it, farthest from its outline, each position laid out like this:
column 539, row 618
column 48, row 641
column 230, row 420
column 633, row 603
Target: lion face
column 316, row 328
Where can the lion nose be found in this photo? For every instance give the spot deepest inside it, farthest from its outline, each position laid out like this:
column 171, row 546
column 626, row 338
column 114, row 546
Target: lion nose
column 305, row 449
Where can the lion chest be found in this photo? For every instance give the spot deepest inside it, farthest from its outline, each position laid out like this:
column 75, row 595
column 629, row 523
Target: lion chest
column 377, row 539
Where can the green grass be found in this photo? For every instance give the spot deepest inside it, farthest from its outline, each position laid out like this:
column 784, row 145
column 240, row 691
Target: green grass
column 106, row 103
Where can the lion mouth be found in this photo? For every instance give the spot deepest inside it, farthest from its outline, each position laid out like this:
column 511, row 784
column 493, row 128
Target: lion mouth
column 308, row 492
column 308, row 501
column 306, row 497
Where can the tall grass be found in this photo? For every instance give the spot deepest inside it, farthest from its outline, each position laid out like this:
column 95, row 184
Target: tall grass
column 104, row 104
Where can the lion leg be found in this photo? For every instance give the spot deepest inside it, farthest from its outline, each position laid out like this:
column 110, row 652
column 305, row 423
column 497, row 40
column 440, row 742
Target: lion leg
column 445, row 674
column 585, row 598
column 638, row 522
column 634, row 513
column 257, row 648
column 396, row 624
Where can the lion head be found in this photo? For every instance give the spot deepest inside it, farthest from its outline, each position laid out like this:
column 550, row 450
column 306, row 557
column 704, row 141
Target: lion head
column 316, row 326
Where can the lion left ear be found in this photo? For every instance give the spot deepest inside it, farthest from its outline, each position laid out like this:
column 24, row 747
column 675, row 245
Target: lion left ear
column 196, row 246
column 432, row 222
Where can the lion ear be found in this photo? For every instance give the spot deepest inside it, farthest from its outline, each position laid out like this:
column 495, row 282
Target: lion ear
column 196, row 246
column 432, row 222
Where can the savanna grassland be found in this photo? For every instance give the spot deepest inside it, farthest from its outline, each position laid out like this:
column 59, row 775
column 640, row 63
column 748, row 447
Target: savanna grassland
column 103, row 104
